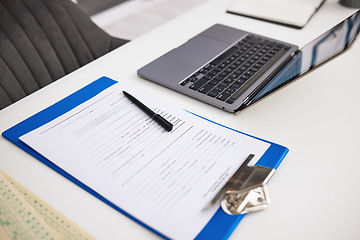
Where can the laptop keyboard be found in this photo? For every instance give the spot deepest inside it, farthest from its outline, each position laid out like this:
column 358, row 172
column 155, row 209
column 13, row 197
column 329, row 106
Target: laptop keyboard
column 231, row 73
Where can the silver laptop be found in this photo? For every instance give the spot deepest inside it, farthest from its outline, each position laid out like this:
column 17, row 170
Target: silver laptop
column 230, row 68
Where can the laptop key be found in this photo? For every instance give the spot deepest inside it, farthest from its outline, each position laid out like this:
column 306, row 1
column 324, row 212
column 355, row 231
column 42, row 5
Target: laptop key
column 223, row 96
column 240, row 81
column 224, row 84
column 219, row 78
column 199, row 83
column 213, row 94
column 245, row 77
column 206, row 88
column 183, row 83
column 224, row 74
column 235, row 85
column 228, row 80
column 209, row 66
column 214, row 82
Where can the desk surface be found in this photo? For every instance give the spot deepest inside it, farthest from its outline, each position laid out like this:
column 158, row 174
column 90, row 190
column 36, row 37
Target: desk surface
column 315, row 191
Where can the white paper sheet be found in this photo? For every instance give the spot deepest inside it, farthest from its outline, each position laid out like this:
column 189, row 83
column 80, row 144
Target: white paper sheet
column 164, row 179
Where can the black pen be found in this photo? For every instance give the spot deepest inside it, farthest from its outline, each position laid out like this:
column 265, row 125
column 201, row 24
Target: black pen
column 156, row 117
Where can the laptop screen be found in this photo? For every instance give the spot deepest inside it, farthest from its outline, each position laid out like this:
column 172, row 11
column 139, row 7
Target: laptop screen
column 317, row 52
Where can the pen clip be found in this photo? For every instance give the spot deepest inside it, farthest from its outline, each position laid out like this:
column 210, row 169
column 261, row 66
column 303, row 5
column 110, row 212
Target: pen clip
column 246, row 190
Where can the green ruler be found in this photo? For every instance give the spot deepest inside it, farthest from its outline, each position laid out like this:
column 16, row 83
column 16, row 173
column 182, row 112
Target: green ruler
column 24, row 216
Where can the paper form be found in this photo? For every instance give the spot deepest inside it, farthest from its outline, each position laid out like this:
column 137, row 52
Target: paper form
column 164, row 179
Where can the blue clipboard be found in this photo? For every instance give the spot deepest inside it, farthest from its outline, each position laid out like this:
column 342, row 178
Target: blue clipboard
column 219, row 227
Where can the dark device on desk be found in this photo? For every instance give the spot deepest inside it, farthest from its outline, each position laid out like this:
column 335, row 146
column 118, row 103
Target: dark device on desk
column 231, row 68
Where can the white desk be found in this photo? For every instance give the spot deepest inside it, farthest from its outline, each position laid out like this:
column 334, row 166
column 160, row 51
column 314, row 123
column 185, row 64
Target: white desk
column 315, row 192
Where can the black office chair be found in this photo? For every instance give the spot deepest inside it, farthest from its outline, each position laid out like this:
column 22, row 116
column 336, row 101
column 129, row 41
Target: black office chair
column 42, row 41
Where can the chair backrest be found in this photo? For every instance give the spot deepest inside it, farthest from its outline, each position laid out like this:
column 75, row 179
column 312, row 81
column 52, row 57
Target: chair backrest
column 43, row 40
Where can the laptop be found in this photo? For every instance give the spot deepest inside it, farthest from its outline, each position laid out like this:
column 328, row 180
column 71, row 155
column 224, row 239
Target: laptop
column 231, row 69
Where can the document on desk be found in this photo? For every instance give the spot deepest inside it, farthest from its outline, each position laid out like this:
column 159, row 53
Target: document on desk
column 294, row 13
column 163, row 179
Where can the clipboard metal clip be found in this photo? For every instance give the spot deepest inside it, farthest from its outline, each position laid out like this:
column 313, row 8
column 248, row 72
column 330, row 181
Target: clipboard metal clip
column 246, row 190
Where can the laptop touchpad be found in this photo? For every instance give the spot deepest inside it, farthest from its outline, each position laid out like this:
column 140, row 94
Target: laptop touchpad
column 198, row 50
